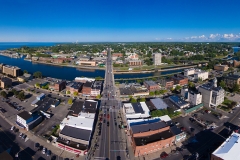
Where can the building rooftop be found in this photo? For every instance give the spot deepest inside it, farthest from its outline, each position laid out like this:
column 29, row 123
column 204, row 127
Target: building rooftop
column 175, row 130
column 143, row 121
column 232, row 76
column 84, row 79
column 24, row 115
column 229, row 150
column 150, row 83
column 148, row 127
column 140, row 141
column 6, row 79
column 178, row 77
column 44, row 104
column 77, row 133
column 12, row 67
column 77, row 122
column 72, row 144
column 150, row 106
column 90, row 106
column 159, row 103
column 136, row 110
column 126, row 91
column 77, row 107
column 75, row 85
column 178, row 101
column 88, row 84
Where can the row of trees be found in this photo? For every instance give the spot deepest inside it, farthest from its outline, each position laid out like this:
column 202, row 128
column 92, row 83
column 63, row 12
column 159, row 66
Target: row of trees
column 162, row 112
column 19, row 94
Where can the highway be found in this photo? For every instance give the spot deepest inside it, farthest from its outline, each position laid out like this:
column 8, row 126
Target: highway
column 111, row 140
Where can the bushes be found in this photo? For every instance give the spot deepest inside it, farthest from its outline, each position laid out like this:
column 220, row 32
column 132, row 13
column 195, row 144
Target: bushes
column 169, row 111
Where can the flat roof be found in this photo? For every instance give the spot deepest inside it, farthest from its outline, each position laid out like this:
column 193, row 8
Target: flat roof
column 126, row 91
column 90, row 106
column 78, row 122
column 159, row 103
column 137, row 108
column 150, row 83
column 177, row 100
column 229, row 150
column 88, row 84
column 150, row 105
column 77, row 133
column 44, row 104
column 143, row 121
column 75, row 85
column 72, row 144
column 77, row 107
column 24, row 115
column 140, row 141
column 175, row 130
column 148, row 127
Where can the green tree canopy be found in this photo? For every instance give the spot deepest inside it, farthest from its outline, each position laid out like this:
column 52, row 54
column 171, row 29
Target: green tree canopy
column 133, row 100
column 178, row 87
column 235, row 87
column 222, row 84
column 25, row 71
column 3, row 94
column 75, row 93
column 68, row 92
column 98, row 96
column 37, row 74
column 70, row 101
column 151, row 93
column 21, row 95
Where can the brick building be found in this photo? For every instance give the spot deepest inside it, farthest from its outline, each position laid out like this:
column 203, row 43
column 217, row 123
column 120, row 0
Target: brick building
column 74, row 87
column 135, row 62
column 58, row 86
column 6, row 82
column 180, row 79
column 167, row 83
column 151, row 86
column 87, row 88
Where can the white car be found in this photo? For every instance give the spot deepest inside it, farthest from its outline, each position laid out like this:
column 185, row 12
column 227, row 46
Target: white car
column 12, row 128
column 44, row 150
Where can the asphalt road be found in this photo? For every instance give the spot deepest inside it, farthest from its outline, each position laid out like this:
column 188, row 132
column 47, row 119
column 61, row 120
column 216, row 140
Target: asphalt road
column 111, row 143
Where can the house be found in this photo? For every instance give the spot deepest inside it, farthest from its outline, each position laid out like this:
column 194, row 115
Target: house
column 6, row 82
column 28, row 121
column 135, row 110
column 151, row 86
column 87, row 88
column 180, row 79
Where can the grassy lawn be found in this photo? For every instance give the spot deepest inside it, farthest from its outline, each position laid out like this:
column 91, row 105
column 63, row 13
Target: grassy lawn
column 225, row 108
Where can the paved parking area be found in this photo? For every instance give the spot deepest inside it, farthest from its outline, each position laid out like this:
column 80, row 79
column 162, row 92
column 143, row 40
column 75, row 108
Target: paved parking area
column 22, row 86
column 34, row 81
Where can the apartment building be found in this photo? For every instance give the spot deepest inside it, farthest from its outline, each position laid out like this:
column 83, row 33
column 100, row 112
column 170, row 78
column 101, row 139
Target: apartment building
column 231, row 80
column 58, row 85
column 74, row 87
column 195, row 97
column 12, row 70
column 157, row 59
column 196, row 74
column 151, row 86
column 96, row 88
column 212, row 95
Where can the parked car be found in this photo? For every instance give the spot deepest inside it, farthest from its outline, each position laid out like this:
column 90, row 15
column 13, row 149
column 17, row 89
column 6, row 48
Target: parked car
column 24, row 136
column 163, row 155
column 12, row 128
column 44, row 150
column 21, row 134
column 207, row 111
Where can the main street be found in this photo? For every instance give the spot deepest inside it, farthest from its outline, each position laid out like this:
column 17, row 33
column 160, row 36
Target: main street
column 112, row 144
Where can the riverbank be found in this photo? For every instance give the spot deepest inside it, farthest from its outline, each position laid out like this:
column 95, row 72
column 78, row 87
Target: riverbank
column 117, row 70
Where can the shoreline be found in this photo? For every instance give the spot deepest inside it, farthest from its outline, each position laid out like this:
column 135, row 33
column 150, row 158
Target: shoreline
column 117, row 71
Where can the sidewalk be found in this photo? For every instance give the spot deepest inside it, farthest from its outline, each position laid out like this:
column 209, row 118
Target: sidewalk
column 36, row 139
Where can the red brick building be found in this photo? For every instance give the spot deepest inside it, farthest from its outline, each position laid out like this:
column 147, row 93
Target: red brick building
column 61, row 60
column 74, row 87
column 135, row 62
column 151, row 86
column 58, row 86
column 180, row 79
column 87, row 88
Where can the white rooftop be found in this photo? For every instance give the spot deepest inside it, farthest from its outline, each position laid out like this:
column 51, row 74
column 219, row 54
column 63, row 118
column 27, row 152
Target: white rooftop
column 84, row 79
column 77, row 122
column 229, row 150
column 136, row 110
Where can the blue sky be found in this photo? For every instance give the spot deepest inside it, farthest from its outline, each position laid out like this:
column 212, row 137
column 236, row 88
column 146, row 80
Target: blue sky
column 119, row 20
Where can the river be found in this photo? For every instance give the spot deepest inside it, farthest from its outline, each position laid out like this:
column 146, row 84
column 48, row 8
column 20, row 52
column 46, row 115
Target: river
column 69, row 73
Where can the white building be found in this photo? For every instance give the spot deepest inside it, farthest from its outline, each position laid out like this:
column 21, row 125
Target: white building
column 77, row 122
column 136, row 110
column 195, row 97
column 196, row 74
column 157, row 59
column 211, row 94
column 28, row 121
column 228, row 150
column 84, row 79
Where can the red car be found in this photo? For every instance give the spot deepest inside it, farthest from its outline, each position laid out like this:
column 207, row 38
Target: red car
column 163, row 155
column 108, row 116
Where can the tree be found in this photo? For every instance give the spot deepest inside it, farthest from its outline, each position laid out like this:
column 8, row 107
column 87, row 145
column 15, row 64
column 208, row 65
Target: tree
column 222, row 84
column 98, row 96
column 191, row 84
column 37, row 74
column 25, row 71
column 157, row 92
column 70, row 101
column 3, row 94
column 15, row 92
column 37, row 85
column 151, row 93
column 142, row 100
column 177, row 88
column 21, row 96
column 99, row 78
column 133, row 100
column 68, row 92
column 75, row 93
column 235, row 87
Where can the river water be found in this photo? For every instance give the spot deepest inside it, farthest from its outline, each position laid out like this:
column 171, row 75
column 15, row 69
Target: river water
column 69, row 73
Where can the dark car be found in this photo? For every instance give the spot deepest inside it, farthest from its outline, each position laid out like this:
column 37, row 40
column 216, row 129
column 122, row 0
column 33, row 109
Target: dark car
column 107, row 123
column 104, row 120
column 163, row 155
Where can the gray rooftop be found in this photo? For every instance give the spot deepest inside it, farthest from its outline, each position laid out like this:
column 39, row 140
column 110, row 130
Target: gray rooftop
column 148, row 127
column 159, row 103
column 175, row 130
column 25, row 115
column 44, row 104
column 76, row 133
column 150, row 83
column 137, row 108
